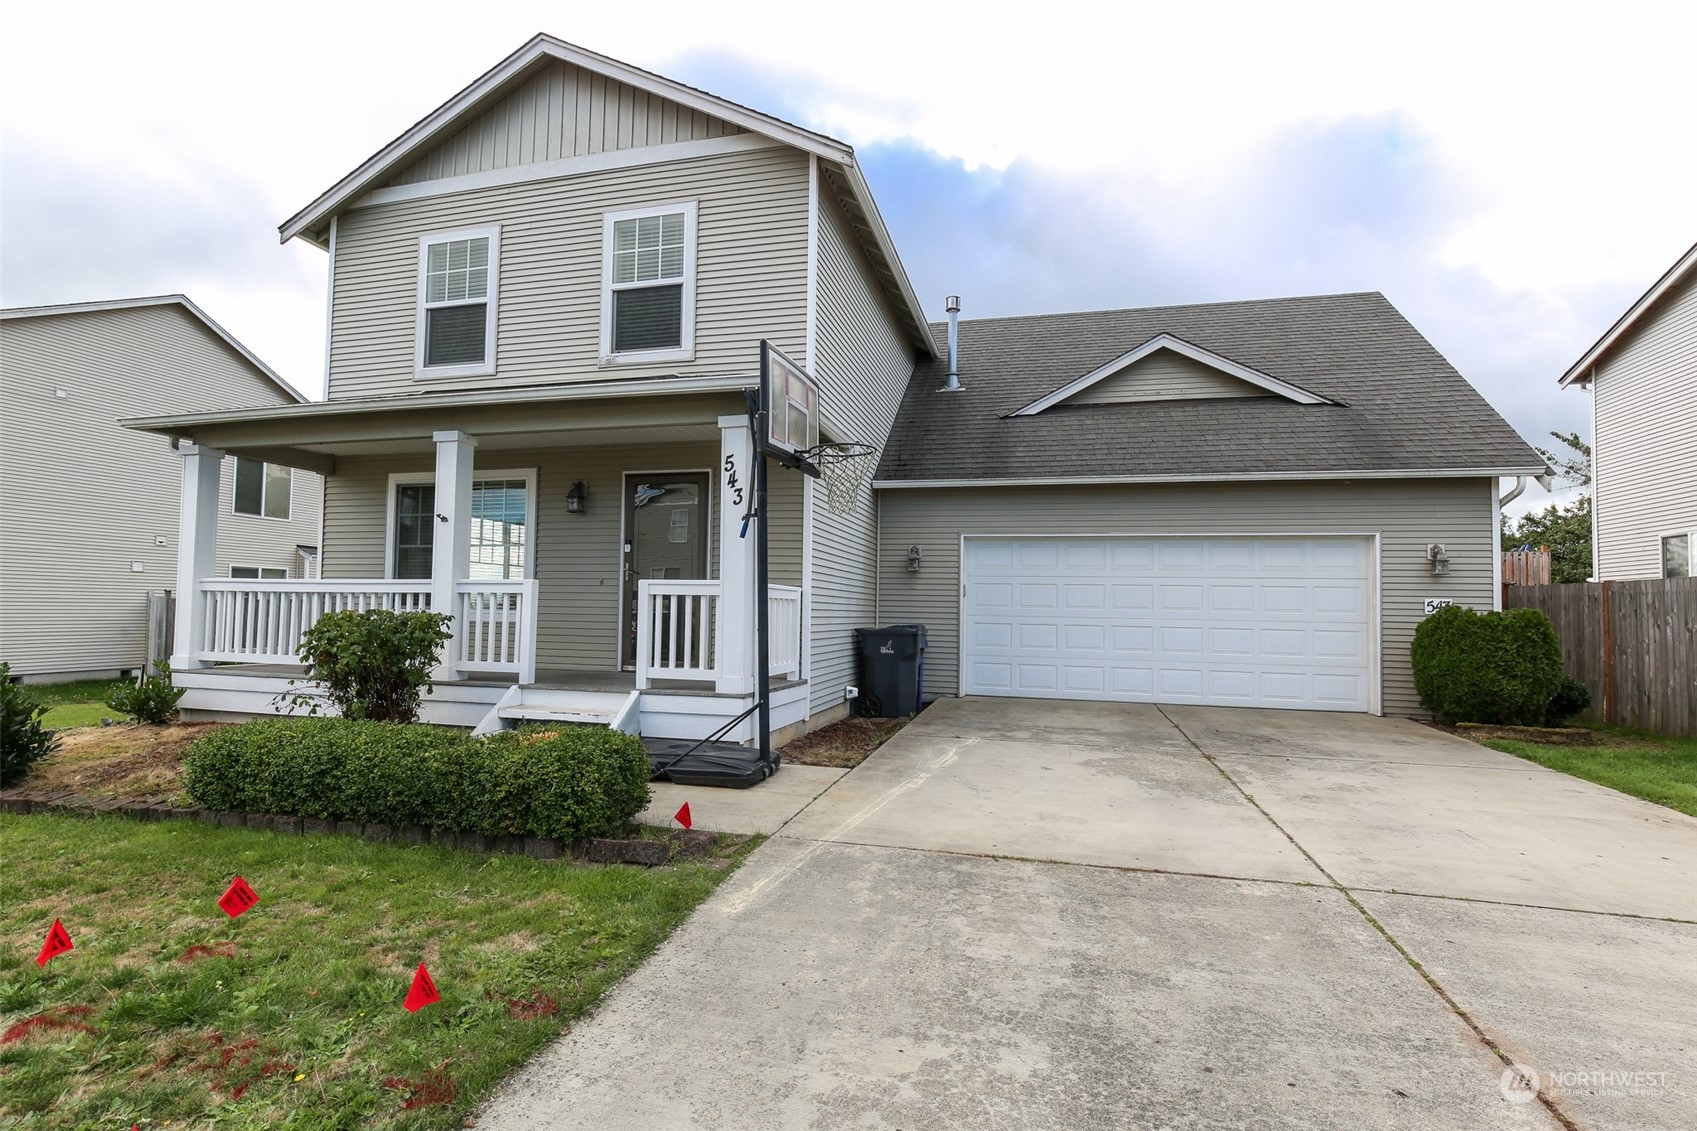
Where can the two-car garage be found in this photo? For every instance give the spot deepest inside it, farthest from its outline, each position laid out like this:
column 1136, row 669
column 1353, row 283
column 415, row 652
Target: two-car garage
column 1247, row 621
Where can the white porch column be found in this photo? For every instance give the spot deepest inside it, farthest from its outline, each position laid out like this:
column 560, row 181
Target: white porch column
column 450, row 559
column 735, row 642
column 197, row 549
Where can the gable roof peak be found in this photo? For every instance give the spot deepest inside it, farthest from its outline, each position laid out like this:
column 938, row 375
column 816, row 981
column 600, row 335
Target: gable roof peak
column 1174, row 344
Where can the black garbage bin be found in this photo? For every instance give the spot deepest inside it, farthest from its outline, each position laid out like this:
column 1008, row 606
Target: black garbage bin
column 892, row 669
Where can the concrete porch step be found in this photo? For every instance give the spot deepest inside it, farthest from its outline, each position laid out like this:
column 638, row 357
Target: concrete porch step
column 614, row 709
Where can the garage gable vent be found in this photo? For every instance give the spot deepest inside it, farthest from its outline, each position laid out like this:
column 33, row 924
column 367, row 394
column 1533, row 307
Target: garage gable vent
column 1167, row 368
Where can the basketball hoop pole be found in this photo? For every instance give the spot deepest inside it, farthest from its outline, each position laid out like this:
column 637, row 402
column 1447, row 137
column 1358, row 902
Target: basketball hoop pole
column 762, row 577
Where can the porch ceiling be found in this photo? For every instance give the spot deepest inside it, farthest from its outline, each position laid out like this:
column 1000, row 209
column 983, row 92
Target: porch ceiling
column 313, row 436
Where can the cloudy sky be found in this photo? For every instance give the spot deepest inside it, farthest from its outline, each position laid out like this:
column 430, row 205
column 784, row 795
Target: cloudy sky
column 1512, row 176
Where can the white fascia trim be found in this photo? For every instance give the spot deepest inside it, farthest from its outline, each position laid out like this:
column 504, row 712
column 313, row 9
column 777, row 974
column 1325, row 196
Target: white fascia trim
column 588, row 390
column 396, row 478
column 1580, row 371
column 1257, row 477
column 568, row 167
column 686, row 348
column 451, row 113
column 1179, row 346
column 159, row 300
column 483, row 368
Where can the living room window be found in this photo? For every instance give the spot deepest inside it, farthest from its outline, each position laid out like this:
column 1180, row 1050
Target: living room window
column 261, row 489
column 457, row 283
column 503, row 519
column 1677, row 553
column 258, row 573
column 648, row 284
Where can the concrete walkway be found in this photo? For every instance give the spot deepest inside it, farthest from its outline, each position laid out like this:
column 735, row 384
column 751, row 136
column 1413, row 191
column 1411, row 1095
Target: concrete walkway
column 1074, row 915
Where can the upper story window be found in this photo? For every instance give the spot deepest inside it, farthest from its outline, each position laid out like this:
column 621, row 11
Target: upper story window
column 648, row 284
column 262, row 489
column 457, row 277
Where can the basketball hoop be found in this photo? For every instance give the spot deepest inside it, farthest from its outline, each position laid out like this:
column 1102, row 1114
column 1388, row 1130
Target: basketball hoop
column 843, row 467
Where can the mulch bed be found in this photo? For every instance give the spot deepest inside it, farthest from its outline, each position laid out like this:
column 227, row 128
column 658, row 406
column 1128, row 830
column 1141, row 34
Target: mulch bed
column 842, row 744
column 1548, row 736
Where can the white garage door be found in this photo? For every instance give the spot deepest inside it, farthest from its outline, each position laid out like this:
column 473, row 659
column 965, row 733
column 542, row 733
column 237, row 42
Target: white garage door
column 1243, row 622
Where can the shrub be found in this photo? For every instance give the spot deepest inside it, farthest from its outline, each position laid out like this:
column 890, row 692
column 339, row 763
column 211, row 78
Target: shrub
column 1487, row 667
column 151, row 700
column 23, row 740
column 568, row 783
column 1570, row 700
column 373, row 664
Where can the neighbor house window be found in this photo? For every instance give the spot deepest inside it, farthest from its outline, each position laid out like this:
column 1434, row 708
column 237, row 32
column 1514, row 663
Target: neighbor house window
column 258, row 573
column 262, row 488
column 502, row 514
column 648, row 284
column 456, row 302
column 1677, row 554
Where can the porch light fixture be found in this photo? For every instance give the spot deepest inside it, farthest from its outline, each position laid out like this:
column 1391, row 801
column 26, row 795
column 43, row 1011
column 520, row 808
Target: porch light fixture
column 913, row 557
column 576, row 498
column 1439, row 558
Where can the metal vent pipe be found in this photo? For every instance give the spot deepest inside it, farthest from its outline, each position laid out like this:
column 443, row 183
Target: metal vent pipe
column 953, row 384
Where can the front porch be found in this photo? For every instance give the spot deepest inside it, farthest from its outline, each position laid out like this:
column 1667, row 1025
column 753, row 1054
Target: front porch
column 586, row 579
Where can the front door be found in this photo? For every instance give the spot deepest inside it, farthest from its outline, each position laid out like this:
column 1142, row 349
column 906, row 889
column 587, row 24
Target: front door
column 666, row 515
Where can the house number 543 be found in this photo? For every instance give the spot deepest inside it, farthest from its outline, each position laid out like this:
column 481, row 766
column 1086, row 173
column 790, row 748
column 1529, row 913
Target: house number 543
column 731, row 482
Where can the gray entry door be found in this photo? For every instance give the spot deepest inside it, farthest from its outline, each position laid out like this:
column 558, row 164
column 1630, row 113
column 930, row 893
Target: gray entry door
column 665, row 538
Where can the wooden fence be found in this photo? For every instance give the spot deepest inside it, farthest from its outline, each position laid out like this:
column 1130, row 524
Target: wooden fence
column 1633, row 643
column 1526, row 567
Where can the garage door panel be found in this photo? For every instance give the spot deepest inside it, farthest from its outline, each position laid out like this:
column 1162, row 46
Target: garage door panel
column 1268, row 621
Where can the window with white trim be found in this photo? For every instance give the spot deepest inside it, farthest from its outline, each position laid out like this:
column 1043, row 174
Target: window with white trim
column 1677, row 552
column 503, row 514
column 258, row 573
column 457, row 283
column 648, row 284
column 261, row 489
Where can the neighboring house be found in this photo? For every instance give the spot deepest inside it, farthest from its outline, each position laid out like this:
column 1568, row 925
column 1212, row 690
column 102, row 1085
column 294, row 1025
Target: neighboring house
column 1642, row 376
column 88, row 509
column 545, row 308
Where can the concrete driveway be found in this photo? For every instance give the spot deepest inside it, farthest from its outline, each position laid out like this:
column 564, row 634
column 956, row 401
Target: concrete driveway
column 1033, row 914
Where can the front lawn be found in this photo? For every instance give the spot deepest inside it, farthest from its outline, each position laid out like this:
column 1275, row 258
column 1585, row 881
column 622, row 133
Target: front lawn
column 80, row 704
column 167, row 1010
column 1659, row 769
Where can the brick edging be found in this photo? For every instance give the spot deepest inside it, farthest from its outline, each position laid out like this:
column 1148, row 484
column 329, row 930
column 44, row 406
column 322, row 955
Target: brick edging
column 595, row 850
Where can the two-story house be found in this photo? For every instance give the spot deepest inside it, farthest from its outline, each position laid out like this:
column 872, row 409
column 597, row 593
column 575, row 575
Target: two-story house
column 546, row 305
column 1642, row 377
column 88, row 510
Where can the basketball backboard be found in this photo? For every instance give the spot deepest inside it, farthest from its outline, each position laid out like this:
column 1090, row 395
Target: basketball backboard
column 789, row 404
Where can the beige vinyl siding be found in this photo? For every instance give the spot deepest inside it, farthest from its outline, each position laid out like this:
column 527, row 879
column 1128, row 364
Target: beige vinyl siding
column 1644, row 454
column 81, row 498
column 751, row 272
column 862, row 362
column 562, row 110
column 1165, row 376
column 1407, row 516
column 578, row 556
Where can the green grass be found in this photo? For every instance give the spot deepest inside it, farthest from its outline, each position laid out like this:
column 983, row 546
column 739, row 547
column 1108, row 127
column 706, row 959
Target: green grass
column 80, row 704
column 1653, row 767
column 295, row 1018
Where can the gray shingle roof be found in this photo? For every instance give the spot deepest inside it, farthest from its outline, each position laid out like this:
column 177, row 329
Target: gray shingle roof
column 1399, row 405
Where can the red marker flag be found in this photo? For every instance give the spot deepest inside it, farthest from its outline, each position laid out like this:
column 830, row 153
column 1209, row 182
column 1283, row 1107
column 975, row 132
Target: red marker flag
column 58, row 942
column 423, row 991
column 237, row 898
column 682, row 817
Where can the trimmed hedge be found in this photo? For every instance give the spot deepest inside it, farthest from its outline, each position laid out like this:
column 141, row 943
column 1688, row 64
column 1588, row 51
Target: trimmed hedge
column 1487, row 667
column 566, row 783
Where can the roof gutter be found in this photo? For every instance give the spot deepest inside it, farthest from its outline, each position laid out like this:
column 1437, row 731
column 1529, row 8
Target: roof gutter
column 1249, row 477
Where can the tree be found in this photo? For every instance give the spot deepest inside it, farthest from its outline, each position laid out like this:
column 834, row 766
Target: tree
column 1565, row 530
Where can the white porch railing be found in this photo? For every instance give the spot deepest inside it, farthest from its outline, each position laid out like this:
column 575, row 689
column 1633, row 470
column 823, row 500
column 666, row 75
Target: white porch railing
column 260, row 622
column 494, row 630
column 783, row 626
column 675, row 630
